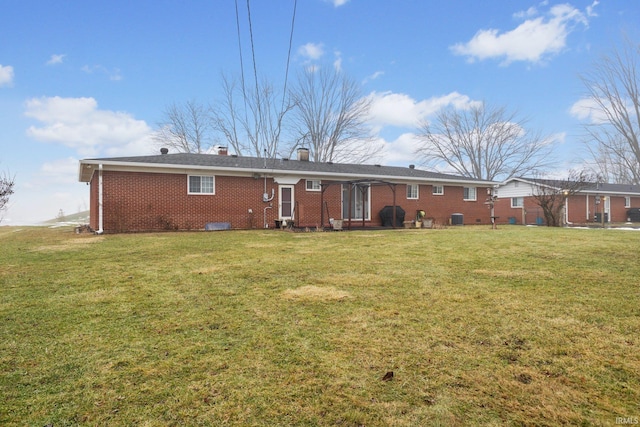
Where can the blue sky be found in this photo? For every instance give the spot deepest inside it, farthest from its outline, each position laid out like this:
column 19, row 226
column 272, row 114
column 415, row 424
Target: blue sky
column 82, row 79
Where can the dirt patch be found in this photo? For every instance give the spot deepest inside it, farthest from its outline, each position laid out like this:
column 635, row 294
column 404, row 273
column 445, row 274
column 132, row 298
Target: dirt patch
column 315, row 293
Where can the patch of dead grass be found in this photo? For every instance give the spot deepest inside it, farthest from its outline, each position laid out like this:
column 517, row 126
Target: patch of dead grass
column 315, row 293
column 70, row 244
column 514, row 273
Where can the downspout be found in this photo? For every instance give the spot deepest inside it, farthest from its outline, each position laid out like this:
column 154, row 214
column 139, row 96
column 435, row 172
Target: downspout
column 588, row 213
column 100, row 208
column 566, row 210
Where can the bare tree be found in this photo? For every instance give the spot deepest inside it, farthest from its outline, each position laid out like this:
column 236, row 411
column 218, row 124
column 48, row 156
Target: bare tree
column 614, row 162
column 250, row 119
column 7, row 184
column 483, row 142
column 330, row 117
column 185, row 128
column 552, row 194
column 613, row 87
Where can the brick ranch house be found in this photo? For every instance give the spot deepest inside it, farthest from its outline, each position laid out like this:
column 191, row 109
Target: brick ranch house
column 184, row 191
column 516, row 204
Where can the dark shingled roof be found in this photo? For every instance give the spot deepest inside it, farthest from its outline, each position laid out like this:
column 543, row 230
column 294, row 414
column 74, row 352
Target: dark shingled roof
column 240, row 163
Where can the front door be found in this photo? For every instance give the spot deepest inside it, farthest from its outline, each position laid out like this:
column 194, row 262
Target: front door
column 286, row 198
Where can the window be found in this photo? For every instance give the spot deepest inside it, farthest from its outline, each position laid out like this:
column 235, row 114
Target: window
column 360, row 197
column 313, row 185
column 469, row 193
column 412, row 191
column 438, row 190
column 201, row 184
column 517, row 202
column 627, row 201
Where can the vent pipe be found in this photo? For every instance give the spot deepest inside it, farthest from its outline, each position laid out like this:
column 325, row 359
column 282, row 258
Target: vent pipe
column 164, row 150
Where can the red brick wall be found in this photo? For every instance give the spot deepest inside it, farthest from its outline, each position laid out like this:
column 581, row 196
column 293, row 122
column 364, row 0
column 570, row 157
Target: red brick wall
column 440, row 207
column 577, row 205
column 137, row 201
column 134, row 201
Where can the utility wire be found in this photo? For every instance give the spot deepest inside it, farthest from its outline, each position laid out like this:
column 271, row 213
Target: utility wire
column 286, row 74
column 258, row 120
column 244, row 92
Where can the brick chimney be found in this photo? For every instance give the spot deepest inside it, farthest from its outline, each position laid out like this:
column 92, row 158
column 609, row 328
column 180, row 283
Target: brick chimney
column 303, row 154
column 222, row 151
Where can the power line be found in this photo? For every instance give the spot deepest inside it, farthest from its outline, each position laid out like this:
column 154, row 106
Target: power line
column 286, row 74
column 255, row 73
column 244, row 93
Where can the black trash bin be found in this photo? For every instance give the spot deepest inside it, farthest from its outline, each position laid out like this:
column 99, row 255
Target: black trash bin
column 599, row 217
column 633, row 214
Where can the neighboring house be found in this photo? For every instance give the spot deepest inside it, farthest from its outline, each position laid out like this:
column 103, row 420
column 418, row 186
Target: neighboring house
column 188, row 191
column 516, row 205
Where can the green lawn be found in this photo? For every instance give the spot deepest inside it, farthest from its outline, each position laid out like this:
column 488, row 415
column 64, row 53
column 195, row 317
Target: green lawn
column 515, row 326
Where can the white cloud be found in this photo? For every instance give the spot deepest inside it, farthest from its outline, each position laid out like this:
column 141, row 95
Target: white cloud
column 372, row 77
column 78, row 123
column 311, row 51
column 337, row 3
column 398, row 109
column 532, row 11
column 6, row 75
column 401, row 151
column 589, row 110
column 337, row 63
column 532, row 41
column 113, row 74
column 56, row 59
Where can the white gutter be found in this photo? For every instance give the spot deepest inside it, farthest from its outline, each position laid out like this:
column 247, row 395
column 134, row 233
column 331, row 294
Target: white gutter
column 100, row 208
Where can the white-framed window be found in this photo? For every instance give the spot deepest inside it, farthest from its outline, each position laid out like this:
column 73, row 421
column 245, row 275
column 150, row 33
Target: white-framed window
column 438, row 190
column 517, row 202
column 627, row 201
column 469, row 193
column 412, row 191
column 201, row 184
column 313, row 185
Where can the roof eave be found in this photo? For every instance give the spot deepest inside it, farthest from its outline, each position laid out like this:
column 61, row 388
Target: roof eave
column 88, row 166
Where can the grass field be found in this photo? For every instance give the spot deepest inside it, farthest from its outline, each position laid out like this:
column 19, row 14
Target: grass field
column 515, row 326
